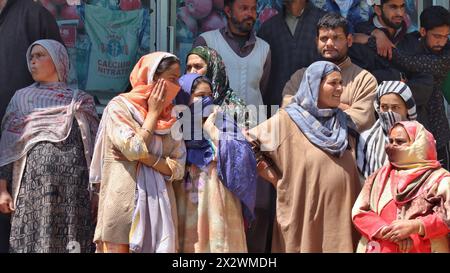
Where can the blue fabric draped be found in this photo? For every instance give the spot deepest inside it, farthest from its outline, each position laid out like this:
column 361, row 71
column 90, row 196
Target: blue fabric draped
column 236, row 163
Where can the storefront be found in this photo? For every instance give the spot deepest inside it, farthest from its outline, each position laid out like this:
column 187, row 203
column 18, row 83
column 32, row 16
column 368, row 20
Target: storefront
column 105, row 38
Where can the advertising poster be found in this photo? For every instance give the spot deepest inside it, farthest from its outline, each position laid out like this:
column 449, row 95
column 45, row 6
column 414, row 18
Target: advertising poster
column 104, row 39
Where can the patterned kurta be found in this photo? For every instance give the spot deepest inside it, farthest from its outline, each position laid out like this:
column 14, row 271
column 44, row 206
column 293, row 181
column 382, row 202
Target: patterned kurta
column 438, row 65
column 53, row 208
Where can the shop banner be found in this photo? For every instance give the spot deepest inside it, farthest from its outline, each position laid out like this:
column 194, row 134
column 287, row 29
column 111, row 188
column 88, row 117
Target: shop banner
column 110, row 48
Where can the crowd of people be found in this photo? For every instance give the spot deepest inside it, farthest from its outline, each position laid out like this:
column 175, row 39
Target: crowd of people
column 352, row 154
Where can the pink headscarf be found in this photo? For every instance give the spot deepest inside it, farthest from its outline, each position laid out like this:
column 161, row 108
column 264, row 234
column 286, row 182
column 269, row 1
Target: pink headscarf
column 413, row 165
column 141, row 79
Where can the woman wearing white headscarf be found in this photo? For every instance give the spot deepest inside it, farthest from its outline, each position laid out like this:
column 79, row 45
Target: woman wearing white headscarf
column 46, row 146
column 394, row 102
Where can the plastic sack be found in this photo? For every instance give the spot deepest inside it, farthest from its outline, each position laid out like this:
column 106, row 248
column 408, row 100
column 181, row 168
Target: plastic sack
column 110, row 48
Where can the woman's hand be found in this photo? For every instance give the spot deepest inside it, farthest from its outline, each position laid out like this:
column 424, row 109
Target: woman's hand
column 6, row 202
column 248, row 137
column 156, row 99
column 380, row 234
column 210, row 127
column 401, row 229
column 266, row 171
column 264, row 166
column 94, row 194
column 344, row 106
column 404, row 246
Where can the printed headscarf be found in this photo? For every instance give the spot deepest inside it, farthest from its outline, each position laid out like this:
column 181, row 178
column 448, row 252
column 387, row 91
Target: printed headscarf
column 222, row 93
column 414, row 163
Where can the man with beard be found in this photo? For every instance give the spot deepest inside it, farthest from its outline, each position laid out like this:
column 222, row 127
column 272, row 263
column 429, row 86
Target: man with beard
column 386, row 29
column 333, row 42
column 291, row 35
column 426, row 88
column 247, row 58
column 428, row 51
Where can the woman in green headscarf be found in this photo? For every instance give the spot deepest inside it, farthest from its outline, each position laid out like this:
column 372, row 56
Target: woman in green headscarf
column 207, row 62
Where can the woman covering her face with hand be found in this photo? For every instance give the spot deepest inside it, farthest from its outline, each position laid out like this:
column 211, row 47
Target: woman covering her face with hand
column 135, row 149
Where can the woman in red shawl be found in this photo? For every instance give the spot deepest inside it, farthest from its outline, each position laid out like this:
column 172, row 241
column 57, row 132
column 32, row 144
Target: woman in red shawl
column 404, row 206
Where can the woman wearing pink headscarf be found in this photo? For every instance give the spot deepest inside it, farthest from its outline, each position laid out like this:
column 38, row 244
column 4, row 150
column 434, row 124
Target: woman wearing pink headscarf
column 137, row 209
column 405, row 205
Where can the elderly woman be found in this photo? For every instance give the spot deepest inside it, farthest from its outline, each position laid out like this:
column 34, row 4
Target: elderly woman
column 219, row 188
column 308, row 142
column 404, row 206
column 136, row 159
column 46, row 146
column 394, row 102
